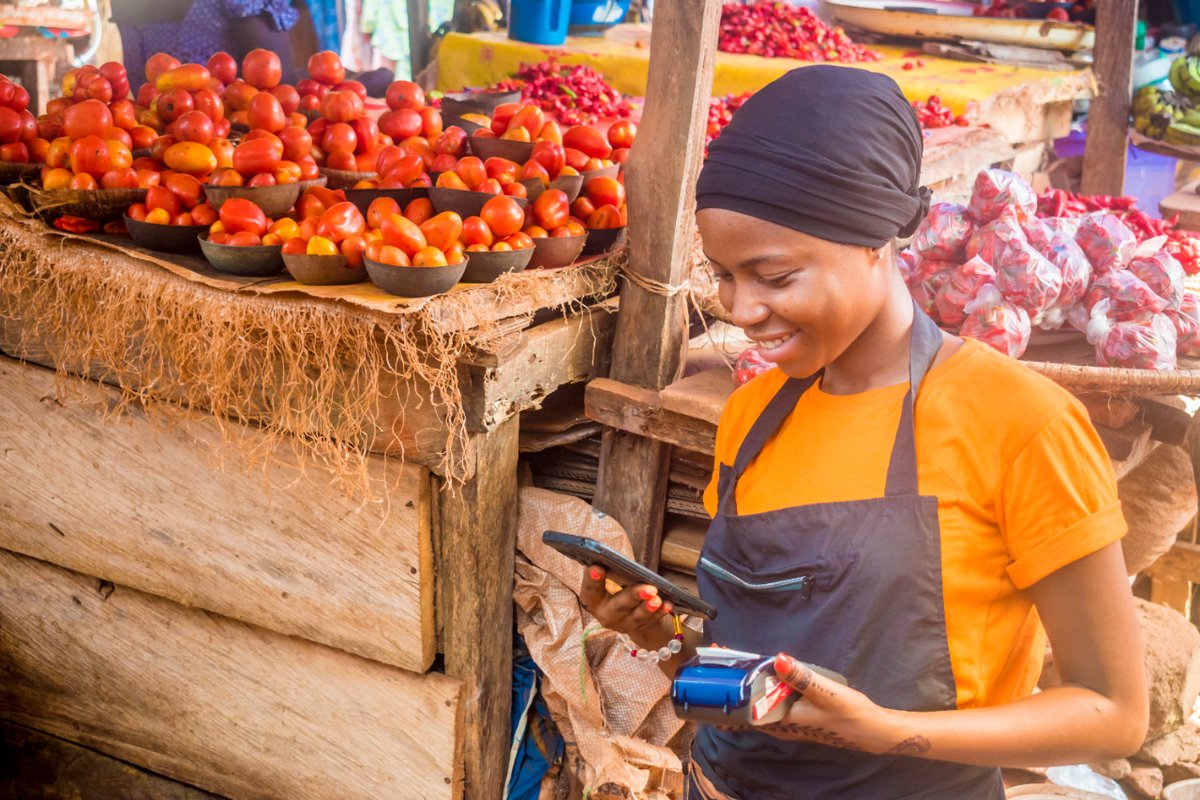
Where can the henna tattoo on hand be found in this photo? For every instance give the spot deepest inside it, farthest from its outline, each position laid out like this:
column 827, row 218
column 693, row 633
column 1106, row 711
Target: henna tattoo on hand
column 912, row 746
column 815, row 734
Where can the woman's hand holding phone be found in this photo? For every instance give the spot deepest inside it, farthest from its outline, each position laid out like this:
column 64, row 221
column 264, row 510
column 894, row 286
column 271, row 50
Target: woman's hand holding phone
column 636, row 611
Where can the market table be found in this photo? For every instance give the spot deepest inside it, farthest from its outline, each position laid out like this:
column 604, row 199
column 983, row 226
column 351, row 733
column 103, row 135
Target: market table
column 235, row 555
column 1025, row 104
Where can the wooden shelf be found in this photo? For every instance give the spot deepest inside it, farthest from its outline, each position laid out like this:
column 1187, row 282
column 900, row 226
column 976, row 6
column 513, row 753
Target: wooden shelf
column 47, row 17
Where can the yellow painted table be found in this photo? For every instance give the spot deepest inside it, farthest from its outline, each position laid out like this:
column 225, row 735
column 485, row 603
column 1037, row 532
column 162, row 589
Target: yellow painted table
column 623, row 57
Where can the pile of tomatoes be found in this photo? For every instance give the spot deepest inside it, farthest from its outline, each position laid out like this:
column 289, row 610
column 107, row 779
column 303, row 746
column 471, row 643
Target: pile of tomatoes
column 177, row 200
column 325, row 74
column 20, row 139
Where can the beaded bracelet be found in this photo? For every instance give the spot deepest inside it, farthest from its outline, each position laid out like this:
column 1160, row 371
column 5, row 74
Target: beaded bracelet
column 663, row 653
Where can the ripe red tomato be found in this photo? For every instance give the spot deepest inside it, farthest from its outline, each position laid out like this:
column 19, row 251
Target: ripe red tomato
column 209, row 102
column 266, row 113
column 262, row 69
column 503, row 215
column 89, row 118
column 159, row 64
column 223, row 67
column 123, row 113
column 552, row 209
column 309, row 171
column 115, row 179
column 476, row 232
column 605, row 217
column 326, row 67
column 288, row 98
column 341, row 106
column 351, row 86
column 453, row 141
column 311, row 88
column 490, row 186
column 533, row 170
column 162, row 197
column 18, row 153
column 399, row 231
column 501, row 116
column 531, row 118
column 297, row 143
column 588, row 141
column 185, row 187
column 253, row 156
column 430, row 257
column 432, row 119
column 605, row 191
column 173, row 105
column 367, row 132
column 472, row 172
column 116, row 76
column 551, row 156
column 239, row 214
column 194, row 126
column 405, row 94
column 401, row 124
column 380, row 209
column 341, row 220
column 10, row 126
column 238, row 95
column 262, row 179
column 90, row 155
column 502, row 170
column 519, row 241
column 339, row 138
column 245, row 239
column 622, row 133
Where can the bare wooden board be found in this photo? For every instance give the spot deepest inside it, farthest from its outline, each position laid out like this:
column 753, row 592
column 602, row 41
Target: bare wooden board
column 681, row 579
column 636, row 410
column 952, row 153
column 1108, row 114
column 43, row 767
column 225, row 706
column 701, row 396
column 1185, row 203
column 152, row 508
column 682, row 540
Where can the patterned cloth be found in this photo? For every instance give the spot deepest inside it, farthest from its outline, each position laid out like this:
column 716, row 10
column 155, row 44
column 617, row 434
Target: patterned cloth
column 206, row 29
column 325, row 17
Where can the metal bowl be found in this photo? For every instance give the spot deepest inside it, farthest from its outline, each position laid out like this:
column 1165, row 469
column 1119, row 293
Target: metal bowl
column 306, row 185
column 483, row 102
column 556, row 251
column 465, row 204
column 250, row 262
column 275, row 201
column 572, row 185
column 465, row 124
column 13, row 171
column 486, row 267
column 345, row 179
column 603, row 240
column 322, row 270
column 165, row 238
column 363, row 197
column 486, row 147
column 415, row 281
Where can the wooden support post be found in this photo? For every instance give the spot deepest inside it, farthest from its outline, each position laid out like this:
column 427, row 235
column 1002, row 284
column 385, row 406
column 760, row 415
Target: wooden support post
column 1108, row 116
column 651, row 330
column 418, row 35
column 476, row 549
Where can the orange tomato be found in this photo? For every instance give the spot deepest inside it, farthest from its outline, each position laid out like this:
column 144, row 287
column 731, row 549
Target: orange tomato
column 429, row 257
column 550, row 132
column 604, row 217
column 295, row 246
column 122, row 156
column 535, row 232
column 450, row 180
column 183, row 219
column 341, row 106
column 587, row 140
column 380, row 208
column 403, row 94
column 266, row 113
column 321, row 246
column 148, row 178
column 188, row 78
column 158, row 216
column 531, row 118
column 519, row 241
column 472, row 171
column 419, row 210
column 353, row 248
column 442, row 230
column 341, row 220
column 186, row 188
column 342, row 161
column 190, row 157
column 605, row 191
column 245, row 239
column 552, row 209
column 622, row 133
column 398, row 231
column 57, row 178
column 501, row 247
column 285, row 228
column 272, row 240
column 516, row 190
column 226, row 176
column 238, row 95
column 160, row 197
column 137, row 211
column 394, row 256
column 262, row 69
column 143, row 137
column 503, row 215
column 297, row 142
column 90, row 155
column 204, row 214
column 454, row 253
column 238, row 214
column 533, row 170
column 374, row 246
column 517, row 135
column 159, row 64
column 326, row 67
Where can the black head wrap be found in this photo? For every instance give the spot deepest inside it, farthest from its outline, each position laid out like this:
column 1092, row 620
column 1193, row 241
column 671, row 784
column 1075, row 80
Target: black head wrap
column 833, row 152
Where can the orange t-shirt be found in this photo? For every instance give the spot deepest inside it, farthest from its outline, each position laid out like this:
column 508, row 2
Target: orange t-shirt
column 1023, row 483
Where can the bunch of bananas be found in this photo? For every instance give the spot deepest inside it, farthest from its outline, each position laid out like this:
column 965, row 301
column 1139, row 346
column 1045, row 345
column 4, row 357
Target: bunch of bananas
column 1170, row 116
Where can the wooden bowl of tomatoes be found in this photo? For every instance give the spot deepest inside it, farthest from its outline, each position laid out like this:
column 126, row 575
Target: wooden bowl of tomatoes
column 97, row 204
column 275, row 201
column 603, row 240
column 550, row 252
column 13, row 171
column 465, row 204
column 250, row 261
column 603, row 172
column 481, row 102
column 415, row 281
column 306, row 185
column 486, row 147
column 364, row 197
column 165, row 238
column 345, row 179
column 314, row 270
column 485, row 267
column 570, row 185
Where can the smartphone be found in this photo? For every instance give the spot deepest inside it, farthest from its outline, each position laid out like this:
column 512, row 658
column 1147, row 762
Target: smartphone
column 626, row 572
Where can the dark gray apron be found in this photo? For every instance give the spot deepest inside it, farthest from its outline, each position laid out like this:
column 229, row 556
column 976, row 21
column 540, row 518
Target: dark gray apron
column 855, row 587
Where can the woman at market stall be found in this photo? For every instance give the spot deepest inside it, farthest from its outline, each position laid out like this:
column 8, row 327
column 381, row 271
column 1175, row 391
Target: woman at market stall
column 892, row 502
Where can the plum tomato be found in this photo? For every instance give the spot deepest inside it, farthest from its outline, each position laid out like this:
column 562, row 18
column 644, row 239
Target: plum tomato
column 239, row 214
column 401, row 232
column 503, row 215
column 552, row 209
column 341, row 220
column 605, row 191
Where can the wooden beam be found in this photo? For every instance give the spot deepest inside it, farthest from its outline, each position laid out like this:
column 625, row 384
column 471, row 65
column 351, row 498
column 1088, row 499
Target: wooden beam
column 639, row 411
column 35, row 762
column 418, row 35
column 476, row 548
column 233, row 709
column 150, row 505
column 651, row 334
column 1108, row 116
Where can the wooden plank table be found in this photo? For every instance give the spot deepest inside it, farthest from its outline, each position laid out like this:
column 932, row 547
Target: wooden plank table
column 231, row 576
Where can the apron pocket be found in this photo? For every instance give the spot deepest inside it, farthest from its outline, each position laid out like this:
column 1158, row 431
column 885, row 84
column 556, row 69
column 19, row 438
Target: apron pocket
column 801, row 582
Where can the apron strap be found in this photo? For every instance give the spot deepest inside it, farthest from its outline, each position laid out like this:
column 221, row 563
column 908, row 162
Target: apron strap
column 902, row 468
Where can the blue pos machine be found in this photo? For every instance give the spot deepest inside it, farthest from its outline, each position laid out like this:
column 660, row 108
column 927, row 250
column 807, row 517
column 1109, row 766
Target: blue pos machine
column 731, row 688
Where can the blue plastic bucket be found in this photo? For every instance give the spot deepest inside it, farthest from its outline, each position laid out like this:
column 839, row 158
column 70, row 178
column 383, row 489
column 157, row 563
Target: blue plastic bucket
column 595, row 15
column 539, row 21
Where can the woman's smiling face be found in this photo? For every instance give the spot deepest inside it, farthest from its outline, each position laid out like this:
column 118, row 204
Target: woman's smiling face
column 803, row 300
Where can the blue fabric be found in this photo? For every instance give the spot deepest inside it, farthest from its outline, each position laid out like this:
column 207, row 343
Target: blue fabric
column 537, row 743
column 207, row 29
column 325, row 21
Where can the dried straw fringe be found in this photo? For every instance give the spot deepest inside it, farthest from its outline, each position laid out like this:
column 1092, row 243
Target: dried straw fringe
column 314, row 375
